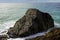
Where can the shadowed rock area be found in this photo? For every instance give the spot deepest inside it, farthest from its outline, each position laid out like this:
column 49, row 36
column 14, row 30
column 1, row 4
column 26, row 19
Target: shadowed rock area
column 54, row 34
column 34, row 21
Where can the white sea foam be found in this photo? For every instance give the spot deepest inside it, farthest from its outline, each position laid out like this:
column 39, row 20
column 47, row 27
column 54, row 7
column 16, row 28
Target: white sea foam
column 6, row 26
column 57, row 24
column 17, row 39
column 35, row 35
column 31, row 36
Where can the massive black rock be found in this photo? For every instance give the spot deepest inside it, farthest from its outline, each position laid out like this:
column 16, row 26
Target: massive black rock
column 34, row 21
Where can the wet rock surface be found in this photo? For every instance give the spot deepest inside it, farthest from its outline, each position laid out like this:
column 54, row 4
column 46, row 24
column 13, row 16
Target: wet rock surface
column 54, row 34
column 34, row 21
column 3, row 37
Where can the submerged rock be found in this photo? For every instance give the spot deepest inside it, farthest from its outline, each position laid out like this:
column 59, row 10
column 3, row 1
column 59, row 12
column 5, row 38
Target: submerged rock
column 34, row 21
column 54, row 34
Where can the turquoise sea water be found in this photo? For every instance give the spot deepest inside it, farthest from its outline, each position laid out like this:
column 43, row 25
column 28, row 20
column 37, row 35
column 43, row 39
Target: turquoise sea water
column 11, row 12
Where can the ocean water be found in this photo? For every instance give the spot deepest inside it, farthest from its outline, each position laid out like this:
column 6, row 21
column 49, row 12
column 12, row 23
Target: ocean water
column 11, row 12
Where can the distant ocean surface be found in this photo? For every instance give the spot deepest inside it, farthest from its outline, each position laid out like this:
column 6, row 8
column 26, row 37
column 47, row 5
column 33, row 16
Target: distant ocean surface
column 10, row 13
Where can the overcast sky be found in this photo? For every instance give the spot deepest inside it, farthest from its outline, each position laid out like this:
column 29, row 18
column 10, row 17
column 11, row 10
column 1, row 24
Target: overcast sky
column 27, row 1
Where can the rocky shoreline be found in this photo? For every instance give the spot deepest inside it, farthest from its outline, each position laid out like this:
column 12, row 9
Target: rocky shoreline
column 54, row 34
column 34, row 21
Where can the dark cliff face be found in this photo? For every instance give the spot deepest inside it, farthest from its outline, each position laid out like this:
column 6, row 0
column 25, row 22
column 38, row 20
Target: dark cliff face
column 32, row 22
column 54, row 34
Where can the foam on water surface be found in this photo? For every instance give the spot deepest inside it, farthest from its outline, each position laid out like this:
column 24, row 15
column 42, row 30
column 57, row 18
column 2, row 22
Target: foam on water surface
column 28, row 37
column 16, row 39
column 57, row 25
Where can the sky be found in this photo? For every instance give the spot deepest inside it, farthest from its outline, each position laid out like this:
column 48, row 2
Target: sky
column 27, row 1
